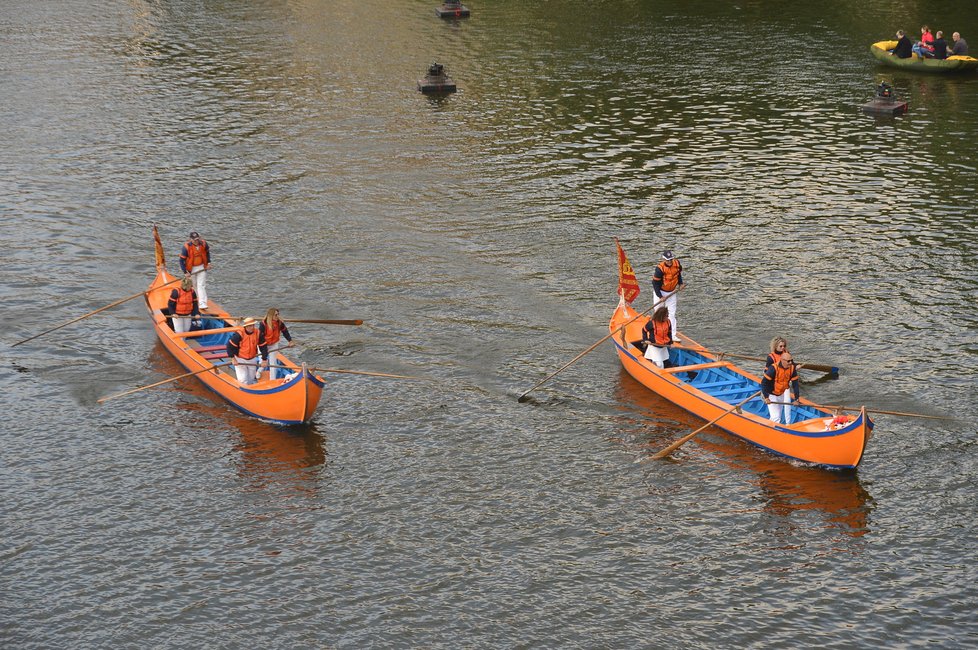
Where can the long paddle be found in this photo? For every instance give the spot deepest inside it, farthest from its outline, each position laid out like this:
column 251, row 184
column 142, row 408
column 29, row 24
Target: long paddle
column 160, row 383
column 603, row 339
column 345, row 372
column 682, row 441
column 810, row 366
column 317, row 321
column 569, row 363
column 834, row 407
column 92, row 313
column 220, row 365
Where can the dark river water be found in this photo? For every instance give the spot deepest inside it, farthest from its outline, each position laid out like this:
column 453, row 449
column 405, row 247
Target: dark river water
column 474, row 235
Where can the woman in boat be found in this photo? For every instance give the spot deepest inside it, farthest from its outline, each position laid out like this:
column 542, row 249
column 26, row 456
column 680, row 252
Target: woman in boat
column 667, row 279
column 243, row 348
column 779, row 345
column 273, row 328
column 657, row 334
column 924, row 48
column 182, row 305
column 780, row 388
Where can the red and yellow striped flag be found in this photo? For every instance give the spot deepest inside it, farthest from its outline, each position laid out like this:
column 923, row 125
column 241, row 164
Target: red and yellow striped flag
column 627, row 282
column 160, row 260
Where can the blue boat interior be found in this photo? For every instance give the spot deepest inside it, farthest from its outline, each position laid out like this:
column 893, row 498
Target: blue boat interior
column 730, row 387
column 211, row 340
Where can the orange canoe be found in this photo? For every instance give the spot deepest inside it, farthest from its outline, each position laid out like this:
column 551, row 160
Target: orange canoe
column 706, row 386
column 289, row 400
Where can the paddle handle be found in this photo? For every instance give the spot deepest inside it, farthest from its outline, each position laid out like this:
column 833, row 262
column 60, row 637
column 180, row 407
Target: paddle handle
column 682, row 441
column 317, row 321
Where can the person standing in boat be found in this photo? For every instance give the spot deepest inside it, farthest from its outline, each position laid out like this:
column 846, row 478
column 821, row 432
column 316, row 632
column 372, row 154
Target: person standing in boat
column 779, row 345
column 780, row 388
column 940, row 46
column 657, row 334
column 182, row 305
column 195, row 259
column 667, row 279
column 243, row 349
column 273, row 328
column 960, row 47
column 904, row 47
column 924, row 48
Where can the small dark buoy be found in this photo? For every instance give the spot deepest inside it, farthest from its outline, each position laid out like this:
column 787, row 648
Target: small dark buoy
column 886, row 102
column 436, row 81
column 452, row 9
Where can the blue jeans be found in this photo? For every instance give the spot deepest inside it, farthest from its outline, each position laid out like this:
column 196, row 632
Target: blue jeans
column 920, row 50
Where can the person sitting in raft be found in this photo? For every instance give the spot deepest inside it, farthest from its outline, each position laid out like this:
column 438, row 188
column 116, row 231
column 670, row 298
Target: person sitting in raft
column 779, row 345
column 273, row 328
column 940, row 46
column 243, row 348
column 904, row 48
column 656, row 335
column 182, row 305
column 960, row 47
column 780, row 388
column 924, row 48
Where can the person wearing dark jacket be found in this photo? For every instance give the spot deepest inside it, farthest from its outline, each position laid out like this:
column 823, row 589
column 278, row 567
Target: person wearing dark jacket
column 780, row 388
column 274, row 329
column 960, row 47
column 904, row 47
column 940, row 46
column 243, row 348
column 667, row 279
column 182, row 305
column 195, row 259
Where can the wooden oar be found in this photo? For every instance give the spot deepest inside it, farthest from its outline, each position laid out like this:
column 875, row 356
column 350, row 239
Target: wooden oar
column 100, row 309
column 834, row 407
column 682, row 441
column 345, row 372
column 317, row 321
column 368, row 374
column 160, row 383
column 808, row 366
column 569, row 363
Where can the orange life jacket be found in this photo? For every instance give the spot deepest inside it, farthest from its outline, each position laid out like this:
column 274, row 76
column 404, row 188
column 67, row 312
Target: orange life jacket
column 185, row 302
column 196, row 254
column 662, row 331
column 248, row 347
column 670, row 274
column 774, row 358
column 783, row 378
column 273, row 333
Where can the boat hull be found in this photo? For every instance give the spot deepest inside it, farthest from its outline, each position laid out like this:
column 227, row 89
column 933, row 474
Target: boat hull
column 811, row 440
column 289, row 400
column 881, row 49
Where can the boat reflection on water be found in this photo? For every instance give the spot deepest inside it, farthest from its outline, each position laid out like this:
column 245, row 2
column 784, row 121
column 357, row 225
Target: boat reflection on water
column 788, row 490
column 264, row 449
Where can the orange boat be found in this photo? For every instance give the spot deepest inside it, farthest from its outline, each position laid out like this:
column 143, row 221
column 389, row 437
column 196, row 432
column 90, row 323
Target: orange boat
column 706, row 386
column 289, row 400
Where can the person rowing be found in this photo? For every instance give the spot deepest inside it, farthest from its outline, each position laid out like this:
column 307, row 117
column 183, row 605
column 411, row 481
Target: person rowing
column 667, row 279
column 780, row 388
column 243, row 348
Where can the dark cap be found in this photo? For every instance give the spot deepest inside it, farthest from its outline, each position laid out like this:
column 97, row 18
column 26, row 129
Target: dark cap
column 667, row 255
column 194, row 235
